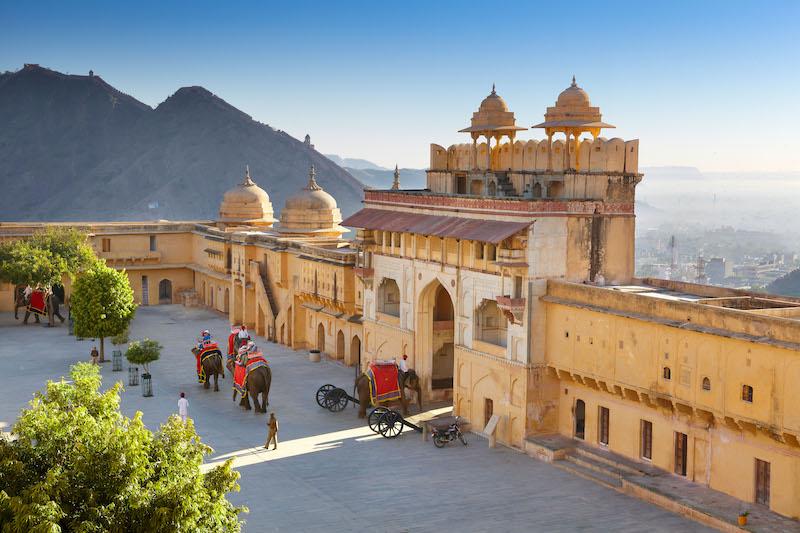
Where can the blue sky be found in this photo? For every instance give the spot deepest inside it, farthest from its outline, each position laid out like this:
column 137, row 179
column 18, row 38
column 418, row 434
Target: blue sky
column 710, row 84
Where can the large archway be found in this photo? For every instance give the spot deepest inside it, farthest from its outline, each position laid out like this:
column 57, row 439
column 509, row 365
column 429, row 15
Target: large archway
column 435, row 339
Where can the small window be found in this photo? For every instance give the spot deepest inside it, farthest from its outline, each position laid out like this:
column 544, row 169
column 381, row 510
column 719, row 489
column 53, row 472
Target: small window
column 566, row 334
column 706, row 384
column 747, row 393
column 152, row 243
column 491, row 253
column 106, row 245
column 478, row 250
column 667, row 373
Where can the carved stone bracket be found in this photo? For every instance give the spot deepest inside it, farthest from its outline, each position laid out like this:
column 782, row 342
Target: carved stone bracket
column 512, row 308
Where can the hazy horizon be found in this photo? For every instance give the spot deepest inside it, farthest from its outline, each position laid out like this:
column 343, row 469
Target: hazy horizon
column 381, row 82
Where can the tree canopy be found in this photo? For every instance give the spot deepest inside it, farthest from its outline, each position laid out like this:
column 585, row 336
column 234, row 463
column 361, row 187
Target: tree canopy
column 78, row 464
column 46, row 257
column 102, row 303
column 143, row 353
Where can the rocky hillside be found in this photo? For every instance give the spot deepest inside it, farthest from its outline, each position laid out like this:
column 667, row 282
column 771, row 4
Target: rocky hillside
column 75, row 148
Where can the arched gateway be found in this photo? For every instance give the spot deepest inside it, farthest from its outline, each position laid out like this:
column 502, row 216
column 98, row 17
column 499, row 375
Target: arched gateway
column 435, row 339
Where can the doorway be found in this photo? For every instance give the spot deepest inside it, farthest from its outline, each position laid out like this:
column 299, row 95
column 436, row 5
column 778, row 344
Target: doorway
column 603, row 425
column 580, row 419
column 321, row 338
column 165, row 291
column 355, row 354
column 681, row 442
column 340, row 345
column 762, row 482
column 488, row 410
column 145, row 291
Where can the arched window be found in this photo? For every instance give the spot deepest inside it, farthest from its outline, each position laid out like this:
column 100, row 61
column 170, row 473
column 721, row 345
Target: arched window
column 491, row 252
column 667, row 373
column 747, row 393
column 706, row 384
column 491, row 324
column 389, row 297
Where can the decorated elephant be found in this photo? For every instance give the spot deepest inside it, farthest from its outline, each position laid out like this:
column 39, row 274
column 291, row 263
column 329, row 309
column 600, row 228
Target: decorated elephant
column 210, row 365
column 43, row 302
column 410, row 380
column 251, row 379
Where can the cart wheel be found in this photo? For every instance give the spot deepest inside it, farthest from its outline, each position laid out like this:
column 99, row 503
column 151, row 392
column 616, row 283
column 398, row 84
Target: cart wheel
column 336, row 400
column 438, row 441
column 390, row 424
column 322, row 392
column 373, row 417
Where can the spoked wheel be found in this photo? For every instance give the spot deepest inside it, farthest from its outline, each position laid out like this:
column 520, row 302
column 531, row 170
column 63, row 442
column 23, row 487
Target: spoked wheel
column 322, row 392
column 374, row 416
column 439, row 441
column 390, row 424
column 462, row 438
column 336, row 400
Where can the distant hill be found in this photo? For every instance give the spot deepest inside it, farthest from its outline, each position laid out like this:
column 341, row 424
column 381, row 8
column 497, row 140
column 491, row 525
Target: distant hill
column 349, row 162
column 410, row 178
column 786, row 285
column 75, row 148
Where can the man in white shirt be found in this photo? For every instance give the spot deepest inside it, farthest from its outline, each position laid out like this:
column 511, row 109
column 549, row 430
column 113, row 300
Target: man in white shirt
column 183, row 407
column 402, row 366
column 243, row 334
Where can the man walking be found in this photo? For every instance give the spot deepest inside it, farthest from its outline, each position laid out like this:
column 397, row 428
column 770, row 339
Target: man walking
column 272, row 425
column 95, row 355
column 183, row 407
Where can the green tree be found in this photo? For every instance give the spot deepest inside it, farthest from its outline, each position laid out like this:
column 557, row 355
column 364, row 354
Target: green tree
column 69, row 244
column 78, row 464
column 102, row 303
column 46, row 257
column 22, row 263
column 143, row 353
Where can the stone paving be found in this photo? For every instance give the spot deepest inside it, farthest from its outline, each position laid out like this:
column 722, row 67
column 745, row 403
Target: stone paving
column 329, row 472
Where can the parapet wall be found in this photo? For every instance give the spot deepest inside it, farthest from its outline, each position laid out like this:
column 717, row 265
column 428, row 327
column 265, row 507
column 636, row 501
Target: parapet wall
column 598, row 155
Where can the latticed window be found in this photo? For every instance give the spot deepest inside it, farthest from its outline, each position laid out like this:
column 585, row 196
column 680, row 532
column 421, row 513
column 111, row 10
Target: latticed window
column 747, row 393
column 667, row 373
column 706, row 384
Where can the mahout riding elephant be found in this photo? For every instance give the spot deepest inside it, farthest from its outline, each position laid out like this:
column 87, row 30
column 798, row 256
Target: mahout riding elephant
column 52, row 306
column 212, row 366
column 409, row 381
column 259, row 381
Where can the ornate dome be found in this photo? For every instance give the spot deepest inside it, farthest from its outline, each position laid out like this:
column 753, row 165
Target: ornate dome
column 493, row 103
column 492, row 117
column 246, row 204
column 573, row 96
column 311, row 211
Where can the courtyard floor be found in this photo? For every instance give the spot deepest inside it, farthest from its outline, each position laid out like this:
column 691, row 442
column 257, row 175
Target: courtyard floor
column 330, row 471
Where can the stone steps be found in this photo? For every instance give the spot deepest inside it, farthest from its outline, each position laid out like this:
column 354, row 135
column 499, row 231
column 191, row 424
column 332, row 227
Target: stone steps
column 608, row 480
column 610, row 463
column 591, row 463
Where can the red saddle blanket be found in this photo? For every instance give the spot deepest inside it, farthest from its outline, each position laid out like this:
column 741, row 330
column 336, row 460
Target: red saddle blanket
column 240, row 372
column 38, row 304
column 209, row 349
column 383, row 383
column 232, row 342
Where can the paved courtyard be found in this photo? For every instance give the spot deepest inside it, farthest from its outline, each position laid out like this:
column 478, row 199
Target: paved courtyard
column 329, row 472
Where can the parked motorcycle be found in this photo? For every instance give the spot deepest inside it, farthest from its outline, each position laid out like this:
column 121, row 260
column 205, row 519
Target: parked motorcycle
column 443, row 436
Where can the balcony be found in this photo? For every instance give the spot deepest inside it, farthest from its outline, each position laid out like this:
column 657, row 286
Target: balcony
column 130, row 257
column 512, row 308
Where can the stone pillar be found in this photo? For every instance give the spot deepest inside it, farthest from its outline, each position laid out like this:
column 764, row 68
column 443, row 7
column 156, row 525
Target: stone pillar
column 549, row 151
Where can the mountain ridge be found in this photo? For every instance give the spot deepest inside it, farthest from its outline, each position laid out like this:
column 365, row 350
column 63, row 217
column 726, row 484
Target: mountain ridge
column 76, row 148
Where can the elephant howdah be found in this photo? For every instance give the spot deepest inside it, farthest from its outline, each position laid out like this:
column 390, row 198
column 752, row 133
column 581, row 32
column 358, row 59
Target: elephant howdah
column 402, row 381
column 384, row 385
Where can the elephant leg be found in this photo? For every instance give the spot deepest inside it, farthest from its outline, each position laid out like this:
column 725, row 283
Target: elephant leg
column 245, row 402
column 27, row 316
column 234, row 395
column 216, row 382
column 256, row 404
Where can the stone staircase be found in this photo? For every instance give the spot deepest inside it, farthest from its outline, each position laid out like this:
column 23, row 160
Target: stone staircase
column 591, row 465
column 651, row 484
column 270, row 297
column 504, row 186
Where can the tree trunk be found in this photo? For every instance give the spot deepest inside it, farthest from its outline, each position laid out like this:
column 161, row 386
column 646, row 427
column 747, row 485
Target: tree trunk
column 102, row 350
